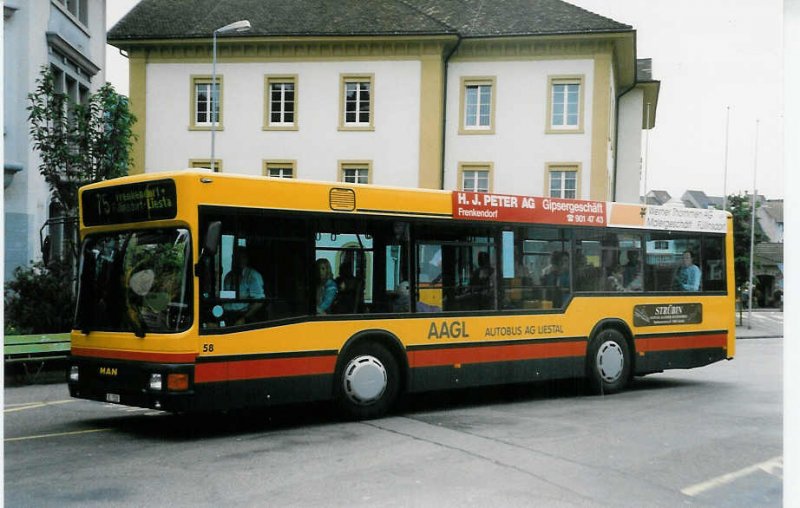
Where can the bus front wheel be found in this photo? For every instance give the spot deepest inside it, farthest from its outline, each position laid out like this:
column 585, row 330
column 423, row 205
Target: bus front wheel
column 367, row 382
column 608, row 362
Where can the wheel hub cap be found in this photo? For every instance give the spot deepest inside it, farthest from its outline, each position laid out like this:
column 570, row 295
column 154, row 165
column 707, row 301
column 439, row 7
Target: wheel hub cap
column 610, row 361
column 364, row 380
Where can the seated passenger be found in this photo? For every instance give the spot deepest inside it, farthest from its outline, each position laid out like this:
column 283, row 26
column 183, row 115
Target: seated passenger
column 326, row 286
column 348, row 287
column 556, row 277
column 403, row 301
column 632, row 268
column 557, row 272
column 482, row 282
column 614, row 282
column 687, row 276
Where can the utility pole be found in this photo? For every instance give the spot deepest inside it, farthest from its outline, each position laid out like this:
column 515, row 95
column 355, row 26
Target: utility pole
column 752, row 237
column 646, row 150
column 725, row 173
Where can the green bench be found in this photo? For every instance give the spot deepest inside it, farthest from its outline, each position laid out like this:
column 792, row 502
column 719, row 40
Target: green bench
column 35, row 350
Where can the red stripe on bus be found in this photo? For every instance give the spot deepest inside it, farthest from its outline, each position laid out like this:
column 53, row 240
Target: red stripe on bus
column 136, row 355
column 486, row 354
column 266, row 368
column 682, row 342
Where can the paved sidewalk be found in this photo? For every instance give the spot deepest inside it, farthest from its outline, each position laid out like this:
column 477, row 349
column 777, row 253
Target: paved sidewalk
column 765, row 323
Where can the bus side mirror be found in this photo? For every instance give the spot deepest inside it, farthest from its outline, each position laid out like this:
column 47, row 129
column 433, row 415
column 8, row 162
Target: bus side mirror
column 212, row 239
column 46, row 250
column 209, row 249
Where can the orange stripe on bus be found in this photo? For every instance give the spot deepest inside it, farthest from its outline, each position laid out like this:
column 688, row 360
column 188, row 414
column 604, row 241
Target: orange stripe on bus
column 462, row 355
column 135, row 355
column 266, row 368
column 681, row 342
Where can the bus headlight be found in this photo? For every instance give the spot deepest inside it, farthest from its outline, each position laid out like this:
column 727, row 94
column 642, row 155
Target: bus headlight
column 155, row 382
column 74, row 374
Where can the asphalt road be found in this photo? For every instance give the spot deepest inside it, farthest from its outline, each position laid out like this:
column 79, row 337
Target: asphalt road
column 705, row 437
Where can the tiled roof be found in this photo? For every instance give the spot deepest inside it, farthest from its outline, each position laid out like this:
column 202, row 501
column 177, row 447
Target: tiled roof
column 657, row 197
column 181, row 19
column 695, row 199
column 774, row 207
column 699, row 199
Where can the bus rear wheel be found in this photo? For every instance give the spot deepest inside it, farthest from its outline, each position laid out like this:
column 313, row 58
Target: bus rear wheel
column 608, row 362
column 367, row 382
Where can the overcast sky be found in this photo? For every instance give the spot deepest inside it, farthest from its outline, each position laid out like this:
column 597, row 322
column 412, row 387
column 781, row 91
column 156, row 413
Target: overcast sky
column 709, row 55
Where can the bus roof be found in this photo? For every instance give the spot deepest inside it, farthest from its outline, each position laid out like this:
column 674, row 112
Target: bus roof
column 240, row 190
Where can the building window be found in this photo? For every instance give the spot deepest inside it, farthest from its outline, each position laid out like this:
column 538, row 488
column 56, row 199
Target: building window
column 357, row 102
column 565, row 104
column 280, row 169
column 206, row 164
column 206, row 102
column 281, row 102
column 75, row 87
column 563, row 181
column 79, row 9
column 355, row 172
column 477, row 105
column 475, row 177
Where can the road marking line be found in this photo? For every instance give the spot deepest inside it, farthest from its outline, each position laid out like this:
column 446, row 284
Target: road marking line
column 34, row 405
column 58, row 434
column 768, row 466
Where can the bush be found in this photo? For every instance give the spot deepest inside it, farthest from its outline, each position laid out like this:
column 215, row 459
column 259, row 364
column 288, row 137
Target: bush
column 39, row 299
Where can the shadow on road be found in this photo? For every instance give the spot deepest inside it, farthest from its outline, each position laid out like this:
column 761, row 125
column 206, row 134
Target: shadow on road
column 199, row 426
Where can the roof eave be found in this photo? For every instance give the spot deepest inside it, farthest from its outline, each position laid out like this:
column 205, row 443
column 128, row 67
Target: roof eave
column 133, row 42
column 651, row 89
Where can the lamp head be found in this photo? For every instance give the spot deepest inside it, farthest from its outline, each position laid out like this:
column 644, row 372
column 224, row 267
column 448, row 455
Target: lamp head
column 237, row 26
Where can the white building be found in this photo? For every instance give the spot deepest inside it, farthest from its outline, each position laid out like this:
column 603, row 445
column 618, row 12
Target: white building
column 770, row 217
column 537, row 97
column 68, row 36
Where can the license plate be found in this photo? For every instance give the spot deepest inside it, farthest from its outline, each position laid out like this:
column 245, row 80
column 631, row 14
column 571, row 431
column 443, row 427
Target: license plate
column 112, row 397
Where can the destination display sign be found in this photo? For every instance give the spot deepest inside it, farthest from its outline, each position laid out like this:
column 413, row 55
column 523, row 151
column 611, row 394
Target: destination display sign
column 504, row 207
column 130, row 203
column 668, row 218
column 667, row 314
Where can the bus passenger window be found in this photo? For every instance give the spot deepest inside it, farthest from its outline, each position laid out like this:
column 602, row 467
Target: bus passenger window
column 457, row 273
column 664, row 258
column 713, row 267
column 351, row 257
column 429, row 278
column 256, row 274
column 396, row 262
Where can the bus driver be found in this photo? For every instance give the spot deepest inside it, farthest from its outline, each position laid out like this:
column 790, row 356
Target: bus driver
column 250, row 287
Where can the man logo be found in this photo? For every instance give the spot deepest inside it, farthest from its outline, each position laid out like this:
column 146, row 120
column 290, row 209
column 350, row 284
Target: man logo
column 108, row 371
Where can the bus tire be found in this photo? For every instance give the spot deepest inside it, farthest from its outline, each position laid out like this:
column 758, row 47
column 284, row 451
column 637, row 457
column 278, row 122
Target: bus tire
column 608, row 362
column 367, row 382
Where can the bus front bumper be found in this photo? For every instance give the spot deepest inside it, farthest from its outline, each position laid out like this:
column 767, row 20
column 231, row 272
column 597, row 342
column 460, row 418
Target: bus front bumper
column 166, row 387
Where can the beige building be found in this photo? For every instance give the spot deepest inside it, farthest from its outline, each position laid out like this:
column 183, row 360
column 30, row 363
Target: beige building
column 537, row 97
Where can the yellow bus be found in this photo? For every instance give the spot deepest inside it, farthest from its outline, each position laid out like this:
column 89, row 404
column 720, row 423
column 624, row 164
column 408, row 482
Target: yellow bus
column 206, row 291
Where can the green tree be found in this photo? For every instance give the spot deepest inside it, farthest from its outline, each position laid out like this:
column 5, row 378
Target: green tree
column 740, row 207
column 78, row 144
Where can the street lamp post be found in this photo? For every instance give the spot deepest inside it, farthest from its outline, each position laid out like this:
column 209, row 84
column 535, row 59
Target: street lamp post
column 237, row 26
column 751, row 288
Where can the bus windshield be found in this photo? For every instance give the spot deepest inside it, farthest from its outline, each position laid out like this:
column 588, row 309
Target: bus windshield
column 135, row 281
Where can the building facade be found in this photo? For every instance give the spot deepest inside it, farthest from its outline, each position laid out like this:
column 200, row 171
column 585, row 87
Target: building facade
column 538, row 97
column 68, row 37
